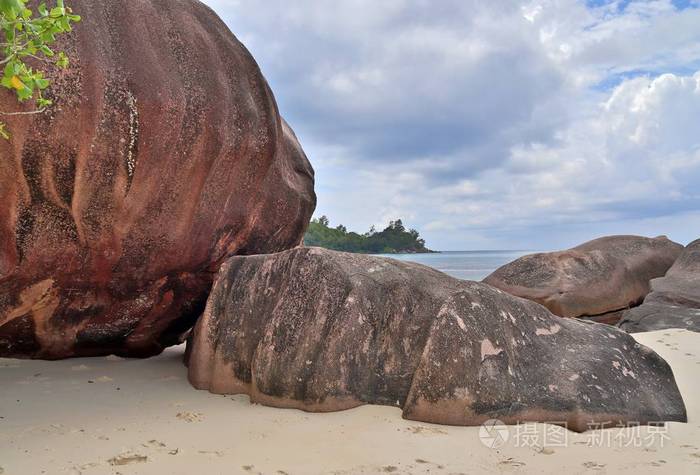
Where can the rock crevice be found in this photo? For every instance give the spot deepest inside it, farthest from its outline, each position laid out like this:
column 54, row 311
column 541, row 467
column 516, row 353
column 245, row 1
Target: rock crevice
column 674, row 301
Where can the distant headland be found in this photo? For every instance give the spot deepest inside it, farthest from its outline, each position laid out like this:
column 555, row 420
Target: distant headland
column 394, row 239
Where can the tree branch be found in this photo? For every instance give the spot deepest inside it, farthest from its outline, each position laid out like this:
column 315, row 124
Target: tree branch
column 37, row 111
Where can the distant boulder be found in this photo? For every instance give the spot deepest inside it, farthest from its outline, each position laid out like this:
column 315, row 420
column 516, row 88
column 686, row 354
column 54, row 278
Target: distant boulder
column 597, row 279
column 320, row 330
column 674, row 301
column 164, row 154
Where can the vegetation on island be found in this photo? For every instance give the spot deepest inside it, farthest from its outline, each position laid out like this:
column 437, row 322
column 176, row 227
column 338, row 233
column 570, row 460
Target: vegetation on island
column 394, row 239
column 25, row 36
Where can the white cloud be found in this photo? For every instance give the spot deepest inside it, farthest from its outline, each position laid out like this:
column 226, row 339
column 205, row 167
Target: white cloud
column 530, row 124
column 634, row 159
column 595, row 43
column 404, row 79
column 661, row 113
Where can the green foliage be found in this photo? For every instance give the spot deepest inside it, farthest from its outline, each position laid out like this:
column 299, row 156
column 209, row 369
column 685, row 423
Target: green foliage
column 25, row 35
column 394, row 239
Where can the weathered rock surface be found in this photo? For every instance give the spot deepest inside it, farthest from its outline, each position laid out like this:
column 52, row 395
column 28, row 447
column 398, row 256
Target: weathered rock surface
column 163, row 155
column 321, row 330
column 595, row 279
column 674, row 301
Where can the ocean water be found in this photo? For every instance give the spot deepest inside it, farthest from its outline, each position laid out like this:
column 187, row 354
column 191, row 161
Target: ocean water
column 468, row 265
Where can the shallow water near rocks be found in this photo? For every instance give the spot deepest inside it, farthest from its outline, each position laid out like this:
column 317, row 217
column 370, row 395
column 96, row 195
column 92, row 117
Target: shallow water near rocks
column 467, row 265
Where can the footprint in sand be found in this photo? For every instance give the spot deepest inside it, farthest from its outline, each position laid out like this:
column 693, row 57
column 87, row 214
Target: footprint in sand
column 86, row 466
column 426, row 430
column 57, row 429
column 544, row 450
column 127, row 459
column 160, row 447
column 190, row 416
column 154, row 444
column 428, row 462
column 511, row 462
column 594, row 465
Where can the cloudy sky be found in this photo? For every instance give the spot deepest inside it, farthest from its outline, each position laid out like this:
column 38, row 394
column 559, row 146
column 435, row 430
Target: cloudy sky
column 491, row 124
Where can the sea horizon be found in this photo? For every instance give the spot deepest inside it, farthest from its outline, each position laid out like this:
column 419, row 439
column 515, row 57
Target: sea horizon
column 466, row 265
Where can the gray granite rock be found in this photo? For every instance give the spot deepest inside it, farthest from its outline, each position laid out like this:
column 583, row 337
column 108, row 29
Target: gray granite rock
column 674, row 301
column 320, row 330
column 594, row 279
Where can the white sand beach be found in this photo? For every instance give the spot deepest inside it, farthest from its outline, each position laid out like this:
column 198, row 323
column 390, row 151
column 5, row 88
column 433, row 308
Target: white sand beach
column 116, row 416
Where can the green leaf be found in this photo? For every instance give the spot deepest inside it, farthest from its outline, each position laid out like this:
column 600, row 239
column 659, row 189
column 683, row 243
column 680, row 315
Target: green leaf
column 11, row 8
column 26, row 34
column 62, row 61
column 57, row 12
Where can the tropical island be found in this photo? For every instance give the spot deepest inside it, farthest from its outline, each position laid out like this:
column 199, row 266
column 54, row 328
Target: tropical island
column 394, row 239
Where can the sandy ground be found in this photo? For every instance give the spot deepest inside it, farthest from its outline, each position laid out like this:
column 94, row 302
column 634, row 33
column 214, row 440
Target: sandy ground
column 109, row 415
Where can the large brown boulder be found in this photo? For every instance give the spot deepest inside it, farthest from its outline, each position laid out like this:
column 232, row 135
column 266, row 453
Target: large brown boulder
column 674, row 301
column 163, row 155
column 320, row 330
column 596, row 279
